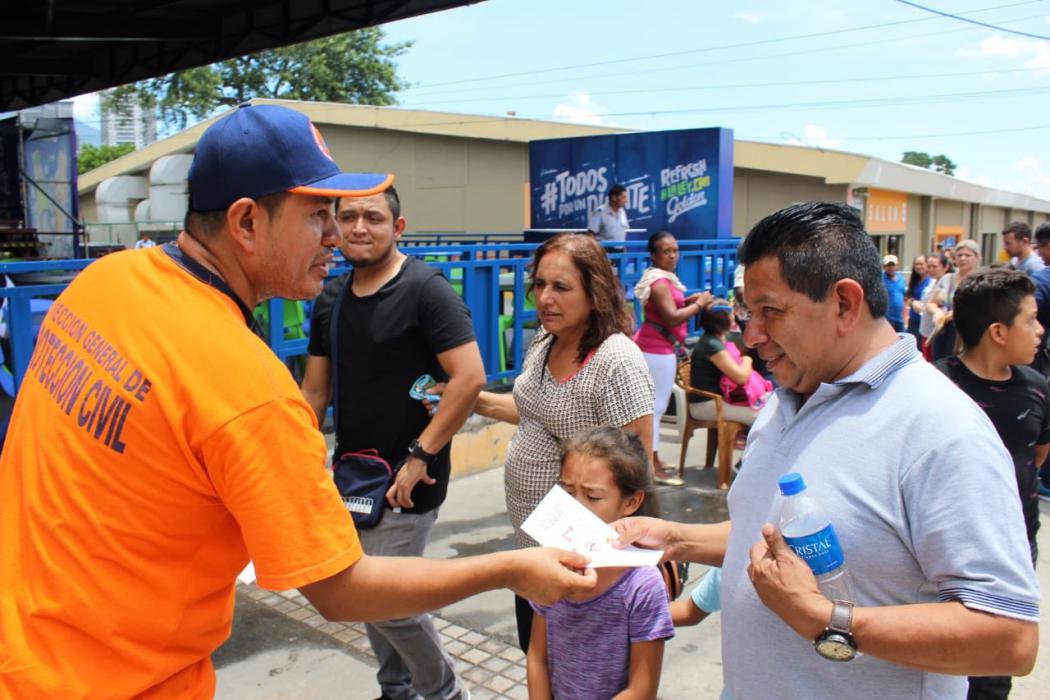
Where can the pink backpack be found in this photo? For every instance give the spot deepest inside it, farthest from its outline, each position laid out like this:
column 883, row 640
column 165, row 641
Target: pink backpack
column 754, row 393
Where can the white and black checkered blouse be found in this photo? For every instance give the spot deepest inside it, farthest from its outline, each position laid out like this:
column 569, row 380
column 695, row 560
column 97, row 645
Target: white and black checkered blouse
column 612, row 388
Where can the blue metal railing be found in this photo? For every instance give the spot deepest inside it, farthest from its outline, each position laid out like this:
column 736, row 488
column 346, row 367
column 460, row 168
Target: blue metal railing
column 491, row 277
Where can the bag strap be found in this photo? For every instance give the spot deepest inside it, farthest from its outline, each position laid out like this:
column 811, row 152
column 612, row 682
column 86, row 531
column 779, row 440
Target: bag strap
column 665, row 333
column 213, row 280
column 672, row 575
column 333, row 342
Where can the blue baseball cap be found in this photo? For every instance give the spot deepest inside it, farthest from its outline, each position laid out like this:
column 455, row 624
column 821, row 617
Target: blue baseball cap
column 258, row 150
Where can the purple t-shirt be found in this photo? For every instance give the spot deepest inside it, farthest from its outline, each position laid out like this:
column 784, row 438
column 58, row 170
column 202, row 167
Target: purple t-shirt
column 589, row 643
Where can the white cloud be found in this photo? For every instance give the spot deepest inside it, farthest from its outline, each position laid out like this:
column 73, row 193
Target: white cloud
column 1035, row 54
column 85, row 107
column 963, row 172
column 1029, row 177
column 814, row 135
column 749, row 16
column 581, row 109
column 1032, row 179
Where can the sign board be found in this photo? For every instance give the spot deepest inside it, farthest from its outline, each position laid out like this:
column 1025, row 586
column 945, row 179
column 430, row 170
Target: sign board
column 679, row 181
column 946, row 236
column 887, row 212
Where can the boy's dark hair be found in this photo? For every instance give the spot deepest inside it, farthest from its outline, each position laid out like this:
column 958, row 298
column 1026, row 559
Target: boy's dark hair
column 818, row 244
column 987, row 297
column 1020, row 229
column 625, row 454
column 616, row 190
column 1042, row 233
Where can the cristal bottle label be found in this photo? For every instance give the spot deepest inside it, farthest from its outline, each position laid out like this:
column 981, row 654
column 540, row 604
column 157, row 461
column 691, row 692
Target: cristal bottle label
column 821, row 550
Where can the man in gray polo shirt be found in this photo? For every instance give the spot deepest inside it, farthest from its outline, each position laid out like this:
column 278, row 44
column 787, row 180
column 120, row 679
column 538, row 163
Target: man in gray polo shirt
column 911, row 473
column 609, row 221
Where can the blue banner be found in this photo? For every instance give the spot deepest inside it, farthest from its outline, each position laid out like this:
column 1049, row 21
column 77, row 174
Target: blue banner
column 679, row 181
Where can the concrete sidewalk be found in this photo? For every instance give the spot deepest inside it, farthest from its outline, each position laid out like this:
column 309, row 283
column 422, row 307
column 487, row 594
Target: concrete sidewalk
column 281, row 648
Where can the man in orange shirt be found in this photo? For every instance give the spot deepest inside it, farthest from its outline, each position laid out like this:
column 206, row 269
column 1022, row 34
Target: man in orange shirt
column 157, row 445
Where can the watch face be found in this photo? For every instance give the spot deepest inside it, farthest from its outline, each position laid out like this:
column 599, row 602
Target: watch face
column 835, row 647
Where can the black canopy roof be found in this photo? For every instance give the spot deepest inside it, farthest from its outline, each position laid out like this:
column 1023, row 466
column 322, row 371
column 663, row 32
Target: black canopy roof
column 55, row 49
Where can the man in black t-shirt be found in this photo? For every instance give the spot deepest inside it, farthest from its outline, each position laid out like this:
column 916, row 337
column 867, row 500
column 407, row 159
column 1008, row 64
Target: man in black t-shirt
column 399, row 319
column 995, row 316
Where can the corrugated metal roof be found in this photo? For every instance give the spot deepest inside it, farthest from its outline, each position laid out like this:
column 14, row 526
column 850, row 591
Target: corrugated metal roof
column 53, row 50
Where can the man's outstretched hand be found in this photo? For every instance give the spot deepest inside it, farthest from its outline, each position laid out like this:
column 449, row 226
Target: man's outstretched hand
column 651, row 533
column 545, row 575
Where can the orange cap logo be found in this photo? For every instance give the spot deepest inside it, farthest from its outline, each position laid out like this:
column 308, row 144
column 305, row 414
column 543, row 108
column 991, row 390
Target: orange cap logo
column 319, row 140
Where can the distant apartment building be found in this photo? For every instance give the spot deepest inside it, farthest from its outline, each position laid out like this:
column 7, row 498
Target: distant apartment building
column 128, row 122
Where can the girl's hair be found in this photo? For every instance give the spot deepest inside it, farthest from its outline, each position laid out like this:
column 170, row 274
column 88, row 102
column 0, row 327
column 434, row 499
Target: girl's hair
column 715, row 319
column 655, row 239
column 915, row 278
column 610, row 314
column 623, row 451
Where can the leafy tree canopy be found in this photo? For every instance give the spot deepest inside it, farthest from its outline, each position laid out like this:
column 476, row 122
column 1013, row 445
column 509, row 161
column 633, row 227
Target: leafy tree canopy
column 940, row 163
column 90, row 157
column 355, row 68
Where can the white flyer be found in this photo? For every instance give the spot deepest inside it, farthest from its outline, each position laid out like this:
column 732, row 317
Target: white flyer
column 562, row 521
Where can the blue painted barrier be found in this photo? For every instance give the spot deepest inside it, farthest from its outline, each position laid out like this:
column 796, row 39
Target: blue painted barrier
column 491, row 277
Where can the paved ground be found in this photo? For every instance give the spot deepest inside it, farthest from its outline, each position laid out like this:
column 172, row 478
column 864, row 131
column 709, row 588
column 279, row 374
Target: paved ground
column 281, row 649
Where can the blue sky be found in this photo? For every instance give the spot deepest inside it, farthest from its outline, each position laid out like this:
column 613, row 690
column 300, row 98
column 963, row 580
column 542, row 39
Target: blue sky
column 869, row 76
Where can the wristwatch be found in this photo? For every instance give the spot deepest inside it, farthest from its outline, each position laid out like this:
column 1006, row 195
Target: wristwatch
column 416, row 450
column 836, row 641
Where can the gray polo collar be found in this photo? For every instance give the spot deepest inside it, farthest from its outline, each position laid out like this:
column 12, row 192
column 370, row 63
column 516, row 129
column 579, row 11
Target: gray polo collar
column 875, row 370
column 872, row 373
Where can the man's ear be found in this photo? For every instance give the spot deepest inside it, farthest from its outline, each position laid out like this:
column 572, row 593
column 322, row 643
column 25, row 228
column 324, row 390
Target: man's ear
column 848, row 297
column 399, row 227
column 996, row 332
column 242, row 219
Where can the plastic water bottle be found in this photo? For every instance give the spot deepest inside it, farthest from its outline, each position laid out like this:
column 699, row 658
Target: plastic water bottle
column 808, row 531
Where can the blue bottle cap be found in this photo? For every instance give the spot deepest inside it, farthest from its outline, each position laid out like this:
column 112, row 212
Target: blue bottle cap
column 791, row 483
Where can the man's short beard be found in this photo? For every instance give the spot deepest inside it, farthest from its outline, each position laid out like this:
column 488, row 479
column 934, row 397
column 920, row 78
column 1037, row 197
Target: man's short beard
column 374, row 260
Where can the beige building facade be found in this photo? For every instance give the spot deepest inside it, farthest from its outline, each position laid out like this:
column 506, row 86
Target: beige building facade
column 462, row 173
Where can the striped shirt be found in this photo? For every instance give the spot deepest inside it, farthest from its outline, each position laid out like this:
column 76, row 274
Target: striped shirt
column 923, row 498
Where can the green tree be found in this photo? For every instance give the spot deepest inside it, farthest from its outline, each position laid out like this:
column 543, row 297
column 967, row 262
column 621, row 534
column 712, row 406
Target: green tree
column 940, row 163
column 355, row 68
column 90, row 157
column 923, row 160
column 944, row 164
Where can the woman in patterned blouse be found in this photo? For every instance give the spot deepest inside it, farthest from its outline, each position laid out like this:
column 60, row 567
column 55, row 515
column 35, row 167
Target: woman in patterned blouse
column 582, row 371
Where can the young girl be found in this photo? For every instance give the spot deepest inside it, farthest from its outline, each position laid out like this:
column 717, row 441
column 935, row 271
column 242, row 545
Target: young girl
column 611, row 644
